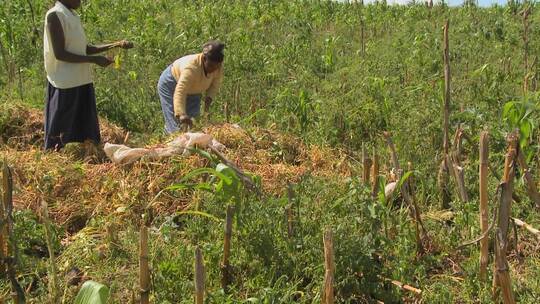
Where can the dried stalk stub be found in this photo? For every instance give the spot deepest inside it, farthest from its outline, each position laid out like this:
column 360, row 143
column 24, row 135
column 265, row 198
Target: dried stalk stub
column 328, row 291
column 226, row 278
column 484, row 221
column 144, row 269
column 199, row 277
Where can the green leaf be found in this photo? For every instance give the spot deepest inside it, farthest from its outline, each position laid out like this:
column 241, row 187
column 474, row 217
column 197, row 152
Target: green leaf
column 403, row 179
column 222, row 168
column 178, row 187
column 202, row 171
column 479, row 71
column 529, row 155
column 92, row 293
column 133, row 75
column 117, row 62
column 372, row 211
column 199, row 213
column 250, row 117
column 528, row 112
column 229, row 172
column 204, row 186
column 228, row 189
column 203, row 153
column 507, row 109
column 185, row 186
column 525, row 129
column 381, row 196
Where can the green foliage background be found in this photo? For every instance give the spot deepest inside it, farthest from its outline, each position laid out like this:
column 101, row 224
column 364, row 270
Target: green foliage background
column 305, row 68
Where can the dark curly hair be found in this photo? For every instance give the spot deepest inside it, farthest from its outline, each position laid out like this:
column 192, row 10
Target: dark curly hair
column 213, row 51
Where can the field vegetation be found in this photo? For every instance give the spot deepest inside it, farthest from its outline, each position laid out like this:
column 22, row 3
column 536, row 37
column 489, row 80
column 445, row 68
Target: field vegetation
column 312, row 89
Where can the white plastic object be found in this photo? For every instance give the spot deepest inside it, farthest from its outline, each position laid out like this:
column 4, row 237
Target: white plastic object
column 121, row 154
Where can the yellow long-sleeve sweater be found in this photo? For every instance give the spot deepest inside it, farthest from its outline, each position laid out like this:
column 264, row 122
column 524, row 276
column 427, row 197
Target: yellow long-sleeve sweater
column 191, row 79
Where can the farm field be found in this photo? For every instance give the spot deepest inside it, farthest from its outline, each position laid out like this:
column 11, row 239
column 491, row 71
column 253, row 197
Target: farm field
column 326, row 107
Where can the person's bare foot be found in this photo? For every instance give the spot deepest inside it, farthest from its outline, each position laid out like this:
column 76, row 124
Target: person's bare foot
column 90, row 150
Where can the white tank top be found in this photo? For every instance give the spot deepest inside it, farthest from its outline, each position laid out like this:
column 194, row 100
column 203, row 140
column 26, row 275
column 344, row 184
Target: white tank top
column 61, row 74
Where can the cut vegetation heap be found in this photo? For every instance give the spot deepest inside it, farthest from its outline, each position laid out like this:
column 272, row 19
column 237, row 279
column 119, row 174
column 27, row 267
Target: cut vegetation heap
column 374, row 154
column 79, row 188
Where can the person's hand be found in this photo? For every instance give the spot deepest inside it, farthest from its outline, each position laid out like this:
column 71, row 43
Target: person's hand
column 125, row 44
column 185, row 120
column 207, row 103
column 102, row 61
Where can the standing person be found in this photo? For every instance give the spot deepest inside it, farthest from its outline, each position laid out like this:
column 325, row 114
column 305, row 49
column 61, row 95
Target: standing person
column 70, row 111
column 182, row 83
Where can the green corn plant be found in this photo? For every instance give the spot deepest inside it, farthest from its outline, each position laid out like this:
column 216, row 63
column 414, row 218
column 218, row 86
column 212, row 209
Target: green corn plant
column 185, row 184
column 224, row 183
column 92, row 293
column 520, row 115
column 303, row 110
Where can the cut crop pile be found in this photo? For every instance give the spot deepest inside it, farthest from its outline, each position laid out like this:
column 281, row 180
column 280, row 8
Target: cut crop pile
column 77, row 189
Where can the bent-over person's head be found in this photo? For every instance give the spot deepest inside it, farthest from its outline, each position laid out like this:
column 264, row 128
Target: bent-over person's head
column 71, row 4
column 213, row 55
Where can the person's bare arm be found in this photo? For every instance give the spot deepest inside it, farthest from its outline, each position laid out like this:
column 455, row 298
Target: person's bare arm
column 96, row 49
column 58, row 41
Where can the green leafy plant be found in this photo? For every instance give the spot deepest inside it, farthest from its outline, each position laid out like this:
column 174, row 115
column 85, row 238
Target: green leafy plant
column 223, row 182
column 333, row 73
column 521, row 115
column 92, row 293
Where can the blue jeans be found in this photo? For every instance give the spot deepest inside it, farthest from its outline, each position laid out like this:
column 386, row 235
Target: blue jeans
column 166, row 86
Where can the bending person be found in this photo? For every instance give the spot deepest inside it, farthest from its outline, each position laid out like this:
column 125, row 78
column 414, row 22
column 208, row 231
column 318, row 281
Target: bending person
column 182, row 84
